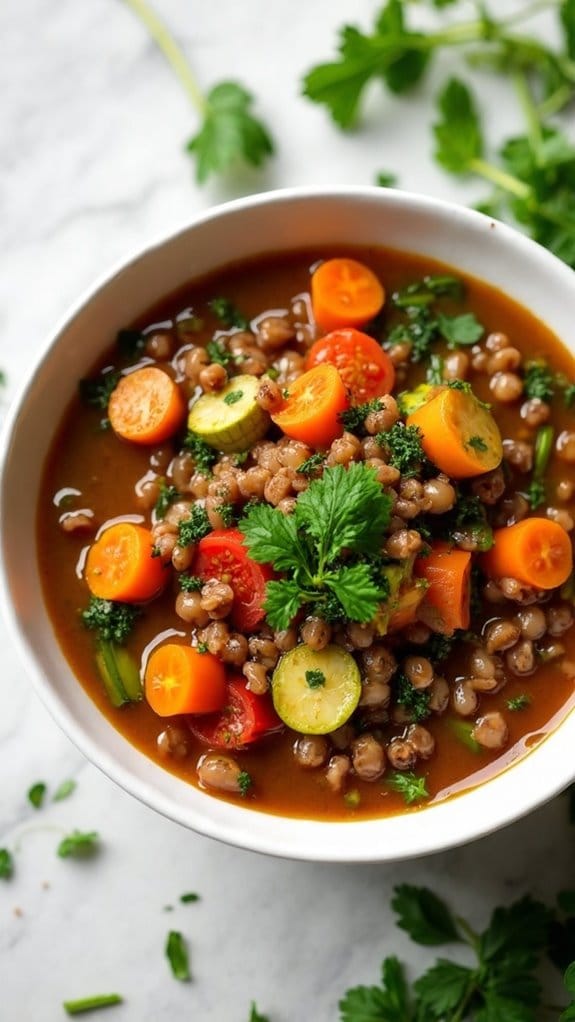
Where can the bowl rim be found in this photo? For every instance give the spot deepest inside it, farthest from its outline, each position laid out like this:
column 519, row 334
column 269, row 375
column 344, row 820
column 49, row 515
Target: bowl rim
column 370, row 845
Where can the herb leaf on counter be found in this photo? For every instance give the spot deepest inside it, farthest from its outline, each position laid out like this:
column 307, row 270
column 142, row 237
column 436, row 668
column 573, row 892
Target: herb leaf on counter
column 177, row 955
column 64, row 790
column 6, row 864
column 78, row 844
column 91, row 1003
column 36, row 794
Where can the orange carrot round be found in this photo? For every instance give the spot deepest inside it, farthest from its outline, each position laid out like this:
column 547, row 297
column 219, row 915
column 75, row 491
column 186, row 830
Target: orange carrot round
column 146, row 407
column 536, row 551
column 459, row 434
column 447, row 572
column 312, row 407
column 345, row 293
column 178, row 679
column 120, row 565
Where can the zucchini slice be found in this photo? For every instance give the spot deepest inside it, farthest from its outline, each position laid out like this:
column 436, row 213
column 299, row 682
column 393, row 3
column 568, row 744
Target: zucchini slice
column 231, row 420
column 316, row 692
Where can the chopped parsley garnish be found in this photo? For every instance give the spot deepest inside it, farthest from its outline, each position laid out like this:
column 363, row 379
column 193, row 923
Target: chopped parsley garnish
column 315, row 679
column 130, row 344
column 218, row 353
column 189, row 898
column 204, row 456
column 425, row 291
column 439, row 647
column 469, row 517
column 177, row 955
column 78, row 844
column 353, row 419
column 520, row 702
column 36, row 794
column 233, row 397
column 227, row 313
column 193, row 529
column 64, row 790
column 538, row 381
column 228, row 514
column 202, row 647
column 97, row 391
column 167, row 495
column 244, row 782
column 477, row 443
column 409, row 785
column 346, row 509
column 404, row 446
column 189, row 583
column 111, row 619
column 91, row 1003
column 414, row 700
column 311, row 465
column 6, row 864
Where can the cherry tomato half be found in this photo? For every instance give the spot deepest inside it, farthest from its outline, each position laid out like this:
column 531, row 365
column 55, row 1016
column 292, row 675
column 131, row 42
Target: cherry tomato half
column 222, row 555
column 245, row 718
column 363, row 365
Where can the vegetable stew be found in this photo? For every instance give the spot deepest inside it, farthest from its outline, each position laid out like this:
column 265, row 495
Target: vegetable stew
column 305, row 533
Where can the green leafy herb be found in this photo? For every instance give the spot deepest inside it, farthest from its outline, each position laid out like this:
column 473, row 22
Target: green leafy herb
column 310, row 467
column 177, row 955
column 412, row 788
column 315, row 679
column 189, row 898
column 130, row 344
column 354, row 418
column 64, row 790
column 403, row 444
column 440, row 647
column 420, row 331
column 195, row 527
column 217, row 351
column 190, row 583
column 244, row 782
column 96, row 392
column 424, row 916
column 345, row 509
column 459, row 141
column 469, row 518
column 230, row 133
column 202, row 647
column 389, row 1002
column 425, row 291
column 36, row 794
column 538, row 381
column 6, row 864
column 519, row 702
column 204, row 456
column 91, row 1003
column 227, row 313
column 166, row 496
column 414, row 700
column 255, row 1015
column 477, row 443
column 385, row 179
column 112, row 619
column 78, row 844
column 233, row 397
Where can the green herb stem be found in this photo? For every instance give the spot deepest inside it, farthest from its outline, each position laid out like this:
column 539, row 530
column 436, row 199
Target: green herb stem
column 555, row 102
column 529, row 109
column 91, row 1003
column 499, row 177
column 172, row 52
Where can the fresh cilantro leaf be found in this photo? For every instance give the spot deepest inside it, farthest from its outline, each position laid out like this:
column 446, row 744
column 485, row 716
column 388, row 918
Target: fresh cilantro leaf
column 217, row 351
column 424, row 916
column 189, row 898
column 538, row 381
column 356, row 590
column 412, row 788
column 94, row 1003
column 444, row 988
column 520, row 702
column 523, row 926
column 230, row 134
column 403, row 444
column 195, row 527
column 177, row 955
column 204, row 456
column 386, row 1003
column 272, row 537
column 460, row 330
column 458, row 134
column 244, row 782
column 315, row 679
column 166, row 496
column 112, row 619
column 6, row 864
column 311, row 466
column 385, row 179
column 78, row 844
column 64, row 790
column 189, row 583
column 36, row 794
column 283, row 601
column 255, row 1015
column 413, row 700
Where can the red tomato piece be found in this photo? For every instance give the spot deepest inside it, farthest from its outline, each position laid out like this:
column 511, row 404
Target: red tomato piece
column 222, row 555
column 245, row 718
column 365, row 368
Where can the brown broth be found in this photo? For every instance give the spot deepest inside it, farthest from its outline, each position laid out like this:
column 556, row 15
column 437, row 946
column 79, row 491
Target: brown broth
column 105, row 471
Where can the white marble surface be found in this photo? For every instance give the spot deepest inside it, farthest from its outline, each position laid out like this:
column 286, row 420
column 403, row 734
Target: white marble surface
column 91, row 167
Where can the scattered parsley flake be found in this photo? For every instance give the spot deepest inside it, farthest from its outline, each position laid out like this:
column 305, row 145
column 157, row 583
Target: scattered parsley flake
column 202, row 647
column 477, row 443
column 167, row 495
column 177, row 955
column 195, row 527
column 538, row 381
column 64, row 790
column 6, row 864
column 218, row 353
column 404, row 446
column 91, row 1003
column 189, row 898
column 228, row 315
column 78, row 844
column 414, row 700
column 112, row 619
column 310, row 467
column 315, row 678
column 353, row 419
column 244, row 782
column 520, row 702
column 412, row 788
column 36, row 794
column 189, row 583
column 204, row 456
column 233, row 397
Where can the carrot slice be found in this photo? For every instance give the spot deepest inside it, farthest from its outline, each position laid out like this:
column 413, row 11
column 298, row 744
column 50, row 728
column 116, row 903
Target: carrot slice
column 120, row 565
column 146, row 407
column 312, row 406
column 447, row 572
column 345, row 293
column 536, row 551
column 179, row 679
column 459, row 435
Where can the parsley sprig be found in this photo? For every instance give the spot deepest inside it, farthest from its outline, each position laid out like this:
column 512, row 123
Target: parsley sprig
column 345, row 509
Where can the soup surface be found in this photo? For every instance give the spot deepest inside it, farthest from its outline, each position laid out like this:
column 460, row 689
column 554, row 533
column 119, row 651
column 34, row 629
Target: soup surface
column 323, row 593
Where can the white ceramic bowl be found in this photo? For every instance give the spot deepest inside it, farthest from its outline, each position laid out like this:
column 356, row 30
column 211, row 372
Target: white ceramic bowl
column 276, row 221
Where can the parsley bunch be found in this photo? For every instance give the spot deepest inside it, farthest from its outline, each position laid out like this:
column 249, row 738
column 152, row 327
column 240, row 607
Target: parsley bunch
column 499, row 985
column 345, row 510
